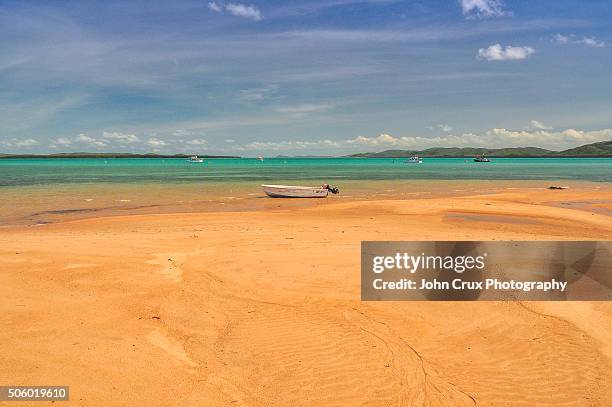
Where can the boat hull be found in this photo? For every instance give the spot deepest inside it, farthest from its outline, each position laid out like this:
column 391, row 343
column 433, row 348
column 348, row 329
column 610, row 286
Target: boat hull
column 291, row 191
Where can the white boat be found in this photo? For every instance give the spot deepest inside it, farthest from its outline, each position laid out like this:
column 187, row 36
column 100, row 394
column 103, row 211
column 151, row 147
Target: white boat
column 414, row 160
column 195, row 159
column 481, row 159
column 260, row 158
column 294, row 191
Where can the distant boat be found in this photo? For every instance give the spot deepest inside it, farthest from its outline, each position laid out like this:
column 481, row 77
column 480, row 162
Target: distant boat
column 260, row 158
column 293, row 191
column 481, row 159
column 195, row 159
column 414, row 160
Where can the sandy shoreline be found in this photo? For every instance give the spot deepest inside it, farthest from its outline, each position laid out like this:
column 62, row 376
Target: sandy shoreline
column 43, row 204
column 262, row 308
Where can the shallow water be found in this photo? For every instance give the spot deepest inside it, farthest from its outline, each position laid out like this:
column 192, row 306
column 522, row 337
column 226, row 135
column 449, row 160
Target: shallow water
column 20, row 172
column 37, row 191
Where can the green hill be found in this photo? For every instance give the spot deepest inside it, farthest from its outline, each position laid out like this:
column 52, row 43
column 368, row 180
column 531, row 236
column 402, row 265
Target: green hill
column 601, row 149
column 109, row 155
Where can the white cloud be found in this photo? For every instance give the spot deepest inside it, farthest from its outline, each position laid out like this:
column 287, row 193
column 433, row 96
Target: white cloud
column 85, row 139
column 122, row 138
column 303, row 109
column 197, row 142
column 63, row 141
column 15, row 142
column 535, row 124
column 445, row 128
column 290, row 145
column 573, row 39
column 257, row 94
column 237, row 9
column 482, row 8
column 29, row 142
column 591, row 42
column 497, row 52
column 155, row 142
column 243, row 10
column 182, row 133
column 561, row 39
column 60, row 142
column 107, row 137
column 494, row 138
column 214, row 6
column 382, row 139
column 229, row 140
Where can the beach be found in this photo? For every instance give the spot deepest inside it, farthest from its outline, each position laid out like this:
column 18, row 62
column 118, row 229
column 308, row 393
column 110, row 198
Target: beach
column 261, row 307
column 347, row 203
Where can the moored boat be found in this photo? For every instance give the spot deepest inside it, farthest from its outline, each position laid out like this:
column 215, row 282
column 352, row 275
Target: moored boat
column 295, row 191
column 414, row 160
column 481, row 159
column 195, row 159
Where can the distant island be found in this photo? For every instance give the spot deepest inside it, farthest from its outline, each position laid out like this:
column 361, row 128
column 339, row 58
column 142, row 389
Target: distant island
column 595, row 150
column 110, row 155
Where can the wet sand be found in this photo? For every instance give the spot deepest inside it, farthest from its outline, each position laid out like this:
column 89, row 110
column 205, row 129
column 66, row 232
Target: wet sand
column 261, row 308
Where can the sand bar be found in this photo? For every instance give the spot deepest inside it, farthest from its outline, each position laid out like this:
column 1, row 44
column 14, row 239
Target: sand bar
column 261, row 308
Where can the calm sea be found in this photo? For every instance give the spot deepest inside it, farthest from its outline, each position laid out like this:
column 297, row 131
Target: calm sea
column 38, row 191
column 24, row 172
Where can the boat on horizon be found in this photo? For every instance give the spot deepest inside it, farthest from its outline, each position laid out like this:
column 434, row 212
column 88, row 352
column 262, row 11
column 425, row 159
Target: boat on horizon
column 295, row 191
column 195, row 159
column 414, row 160
column 481, row 159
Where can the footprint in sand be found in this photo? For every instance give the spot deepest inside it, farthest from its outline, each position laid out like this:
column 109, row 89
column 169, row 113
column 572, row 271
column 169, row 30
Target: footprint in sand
column 174, row 347
column 169, row 265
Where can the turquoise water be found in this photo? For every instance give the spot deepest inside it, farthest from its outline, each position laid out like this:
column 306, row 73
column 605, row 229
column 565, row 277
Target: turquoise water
column 30, row 172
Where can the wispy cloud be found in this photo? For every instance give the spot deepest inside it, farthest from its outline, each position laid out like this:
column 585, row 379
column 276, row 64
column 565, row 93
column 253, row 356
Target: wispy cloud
column 19, row 143
column 290, row 145
column 561, row 39
column 186, row 66
column 257, row 94
column 538, row 125
column 497, row 52
column 38, row 110
column 291, row 9
column 573, row 39
column 591, row 42
column 483, row 8
column 303, row 110
column 214, row 6
column 197, row 142
column 237, row 9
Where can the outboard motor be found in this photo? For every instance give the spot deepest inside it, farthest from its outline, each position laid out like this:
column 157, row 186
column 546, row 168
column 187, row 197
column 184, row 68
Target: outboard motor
column 333, row 190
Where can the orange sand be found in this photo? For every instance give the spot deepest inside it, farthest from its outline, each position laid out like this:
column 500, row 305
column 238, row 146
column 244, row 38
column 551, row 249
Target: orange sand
column 262, row 309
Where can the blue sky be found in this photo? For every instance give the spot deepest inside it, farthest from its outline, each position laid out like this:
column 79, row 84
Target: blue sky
column 297, row 77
